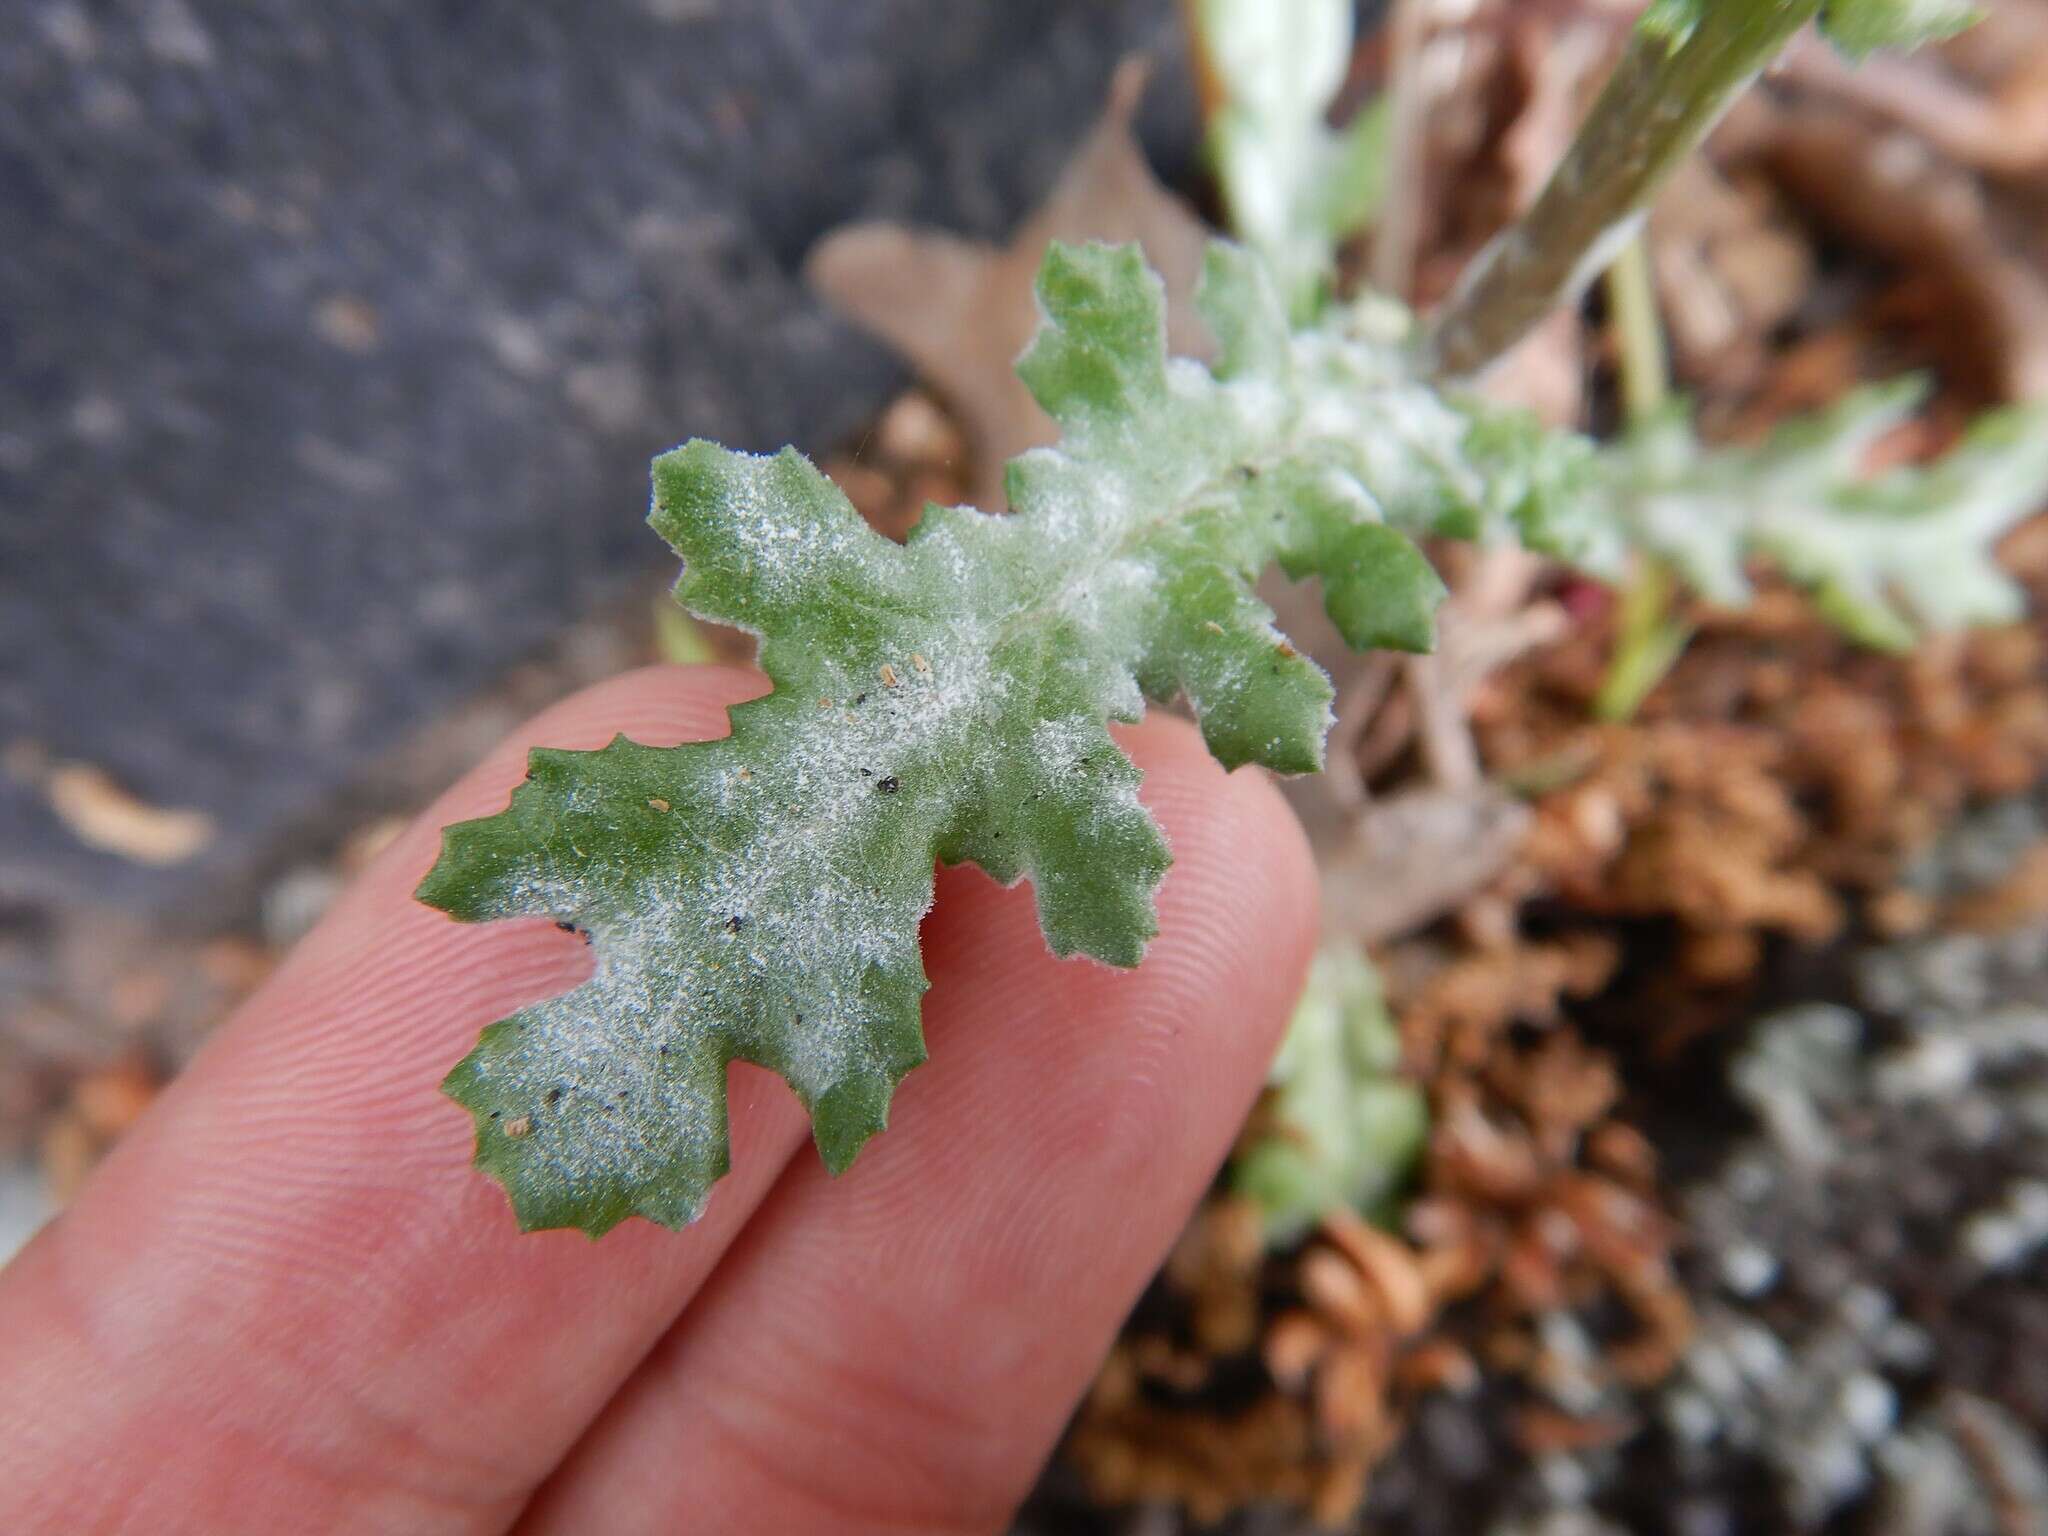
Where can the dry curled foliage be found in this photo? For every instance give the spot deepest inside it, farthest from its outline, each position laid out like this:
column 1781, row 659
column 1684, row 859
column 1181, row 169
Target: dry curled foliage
column 1775, row 782
column 1532, row 1197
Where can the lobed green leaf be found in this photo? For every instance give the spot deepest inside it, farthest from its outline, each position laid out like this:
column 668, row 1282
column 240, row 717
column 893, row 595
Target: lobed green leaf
column 1344, row 1129
column 757, row 898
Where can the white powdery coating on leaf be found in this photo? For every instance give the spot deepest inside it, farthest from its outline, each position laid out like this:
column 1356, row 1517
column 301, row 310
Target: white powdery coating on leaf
column 787, row 560
column 759, row 897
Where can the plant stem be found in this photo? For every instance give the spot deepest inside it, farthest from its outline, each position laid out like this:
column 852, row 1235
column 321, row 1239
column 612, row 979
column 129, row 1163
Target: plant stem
column 1684, row 65
column 1647, row 642
column 1638, row 333
column 1393, row 245
column 1647, row 639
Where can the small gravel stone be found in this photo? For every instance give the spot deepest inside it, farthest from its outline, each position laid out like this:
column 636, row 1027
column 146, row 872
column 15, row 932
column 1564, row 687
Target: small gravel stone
column 1932, row 1065
column 1749, row 1270
column 1868, row 1405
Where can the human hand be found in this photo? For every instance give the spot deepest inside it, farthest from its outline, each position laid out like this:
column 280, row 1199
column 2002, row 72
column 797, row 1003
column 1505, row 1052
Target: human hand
column 287, row 1302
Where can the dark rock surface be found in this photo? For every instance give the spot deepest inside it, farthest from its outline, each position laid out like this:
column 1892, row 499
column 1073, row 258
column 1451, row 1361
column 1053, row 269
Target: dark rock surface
column 334, row 341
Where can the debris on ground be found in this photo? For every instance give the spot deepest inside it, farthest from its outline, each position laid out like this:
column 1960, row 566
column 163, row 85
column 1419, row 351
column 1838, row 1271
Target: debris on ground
column 102, row 814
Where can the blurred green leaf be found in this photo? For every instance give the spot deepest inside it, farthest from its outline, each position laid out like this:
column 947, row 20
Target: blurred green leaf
column 1291, row 186
column 1344, row 1129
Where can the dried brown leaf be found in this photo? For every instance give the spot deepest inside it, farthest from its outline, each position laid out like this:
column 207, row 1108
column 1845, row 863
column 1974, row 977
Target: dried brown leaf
column 961, row 311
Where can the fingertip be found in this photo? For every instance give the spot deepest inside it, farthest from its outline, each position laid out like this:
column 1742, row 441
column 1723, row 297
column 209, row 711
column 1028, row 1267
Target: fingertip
column 1231, row 821
column 1237, row 918
column 1103, row 1079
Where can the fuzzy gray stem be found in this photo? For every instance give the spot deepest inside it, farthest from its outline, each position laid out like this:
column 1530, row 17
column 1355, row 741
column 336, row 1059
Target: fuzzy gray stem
column 1674, row 81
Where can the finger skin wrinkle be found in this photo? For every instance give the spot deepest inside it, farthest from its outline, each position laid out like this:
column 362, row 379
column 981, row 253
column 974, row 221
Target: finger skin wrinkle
column 215, row 1431
column 929, row 1485
column 791, row 1477
column 193, row 1455
column 202, row 1270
